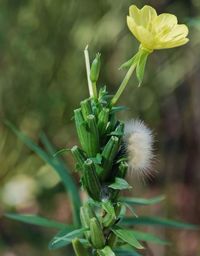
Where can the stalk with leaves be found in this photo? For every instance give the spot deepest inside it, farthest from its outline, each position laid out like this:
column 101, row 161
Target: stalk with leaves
column 108, row 148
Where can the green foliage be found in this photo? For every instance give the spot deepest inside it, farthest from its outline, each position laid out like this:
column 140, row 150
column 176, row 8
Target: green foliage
column 59, row 167
column 36, row 220
column 142, row 201
column 156, row 221
column 65, row 237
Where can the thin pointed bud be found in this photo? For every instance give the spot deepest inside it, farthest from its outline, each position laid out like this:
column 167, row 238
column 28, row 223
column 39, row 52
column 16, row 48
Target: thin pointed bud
column 91, row 180
column 103, row 120
column 95, row 68
column 93, row 144
column 97, row 236
column 78, row 247
column 81, row 128
column 79, row 156
column 86, row 108
column 108, row 155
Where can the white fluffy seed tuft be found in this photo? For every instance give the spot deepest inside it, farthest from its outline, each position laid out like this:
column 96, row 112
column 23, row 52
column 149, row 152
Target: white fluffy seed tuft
column 139, row 143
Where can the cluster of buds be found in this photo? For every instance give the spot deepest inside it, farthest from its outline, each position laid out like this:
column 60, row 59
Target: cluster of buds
column 101, row 157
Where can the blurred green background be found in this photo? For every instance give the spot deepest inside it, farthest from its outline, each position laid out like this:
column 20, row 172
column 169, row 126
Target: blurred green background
column 42, row 79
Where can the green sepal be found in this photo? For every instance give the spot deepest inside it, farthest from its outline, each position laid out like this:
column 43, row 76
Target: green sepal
column 141, row 64
column 130, row 62
column 97, row 236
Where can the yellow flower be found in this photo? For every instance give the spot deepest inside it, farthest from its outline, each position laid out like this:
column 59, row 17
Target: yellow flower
column 155, row 31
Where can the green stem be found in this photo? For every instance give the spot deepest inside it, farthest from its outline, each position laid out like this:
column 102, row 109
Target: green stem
column 94, row 88
column 124, row 83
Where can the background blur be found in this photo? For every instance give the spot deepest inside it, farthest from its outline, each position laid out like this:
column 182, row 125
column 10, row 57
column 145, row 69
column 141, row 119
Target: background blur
column 42, row 79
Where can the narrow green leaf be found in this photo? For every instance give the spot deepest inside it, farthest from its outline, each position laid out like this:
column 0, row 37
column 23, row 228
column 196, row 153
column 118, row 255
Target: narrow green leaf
column 142, row 201
column 128, row 237
column 36, row 220
column 120, row 184
column 147, row 237
column 61, row 169
column 64, row 237
column 155, row 221
column 107, row 251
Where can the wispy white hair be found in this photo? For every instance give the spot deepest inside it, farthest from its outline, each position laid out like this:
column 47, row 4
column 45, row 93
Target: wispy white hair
column 139, row 144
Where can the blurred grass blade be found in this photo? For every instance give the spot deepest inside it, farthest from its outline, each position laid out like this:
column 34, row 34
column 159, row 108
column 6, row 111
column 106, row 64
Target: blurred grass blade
column 64, row 237
column 62, row 171
column 36, row 220
column 142, row 201
column 147, row 237
column 155, row 221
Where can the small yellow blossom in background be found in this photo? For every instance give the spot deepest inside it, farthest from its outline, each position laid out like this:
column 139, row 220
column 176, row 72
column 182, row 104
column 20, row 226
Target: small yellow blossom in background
column 155, row 31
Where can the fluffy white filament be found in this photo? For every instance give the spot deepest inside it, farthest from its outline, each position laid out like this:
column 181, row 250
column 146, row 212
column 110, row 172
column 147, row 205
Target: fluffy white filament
column 139, row 141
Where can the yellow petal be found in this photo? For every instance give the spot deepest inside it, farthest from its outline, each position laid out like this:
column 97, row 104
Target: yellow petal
column 148, row 15
column 179, row 31
column 171, row 44
column 133, row 27
column 134, row 13
column 146, row 38
column 144, row 16
column 165, row 20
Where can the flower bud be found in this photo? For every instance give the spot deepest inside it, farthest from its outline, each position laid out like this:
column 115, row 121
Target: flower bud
column 97, row 237
column 79, row 248
column 95, row 68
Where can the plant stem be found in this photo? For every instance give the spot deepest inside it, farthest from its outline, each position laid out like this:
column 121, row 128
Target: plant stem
column 87, row 63
column 123, row 84
column 94, row 89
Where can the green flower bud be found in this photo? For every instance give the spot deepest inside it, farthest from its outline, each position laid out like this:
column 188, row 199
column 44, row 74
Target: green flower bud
column 108, row 155
column 78, row 247
column 97, row 236
column 91, row 180
column 79, row 157
column 103, row 120
column 93, row 146
column 86, row 108
column 95, row 68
